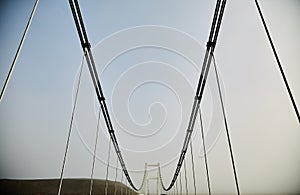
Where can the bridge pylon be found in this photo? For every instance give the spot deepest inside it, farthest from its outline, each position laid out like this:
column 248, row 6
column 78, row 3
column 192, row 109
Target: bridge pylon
column 147, row 178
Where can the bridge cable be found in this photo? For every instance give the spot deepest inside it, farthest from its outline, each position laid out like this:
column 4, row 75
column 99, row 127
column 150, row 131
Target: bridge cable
column 18, row 50
column 70, row 128
column 205, row 154
column 193, row 168
column 219, row 10
column 126, row 187
column 116, row 177
column 145, row 175
column 122, row 177
column 94, row 154
column 185, row 178
column 180, row 182
column 107, row 167
column 278, row 62
column 226, row 128
column 210, row 46
column 176, row 187
column 86, row 46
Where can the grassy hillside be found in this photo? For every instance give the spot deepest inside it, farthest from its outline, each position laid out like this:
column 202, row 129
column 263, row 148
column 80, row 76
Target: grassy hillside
column 70, row 186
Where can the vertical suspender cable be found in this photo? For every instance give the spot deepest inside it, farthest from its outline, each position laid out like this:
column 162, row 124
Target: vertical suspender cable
column 180, row 182
column 176, row 187
column 278, row 61
column 115, row 193
column 205, row 154
column 185, row 178
column 227, row 129
column 122, row 183
column 18, row 51
column 126, row 187
column 107, row 168
column 193, row 168
column 70, row 128
column 95, row 152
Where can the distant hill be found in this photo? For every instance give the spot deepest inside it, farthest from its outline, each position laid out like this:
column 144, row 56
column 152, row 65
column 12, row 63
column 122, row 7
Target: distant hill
column 70, row 186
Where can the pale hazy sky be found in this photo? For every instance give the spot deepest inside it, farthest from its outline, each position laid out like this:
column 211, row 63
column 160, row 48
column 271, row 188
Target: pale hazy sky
column 148, row 55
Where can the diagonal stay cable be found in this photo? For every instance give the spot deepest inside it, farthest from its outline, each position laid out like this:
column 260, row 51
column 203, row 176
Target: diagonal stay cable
column 70, row 128
column 226, row 128
column 278, row 62
column 95, row 152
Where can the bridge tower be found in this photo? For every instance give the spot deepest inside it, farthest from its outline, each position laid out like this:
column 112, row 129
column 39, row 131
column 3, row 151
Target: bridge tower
column 157, row 178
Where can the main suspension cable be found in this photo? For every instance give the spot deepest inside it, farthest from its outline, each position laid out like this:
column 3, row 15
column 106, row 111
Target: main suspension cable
column 216, row 24
column 226, row 128
column 70, row 127
column 218, row 15
column 278, row 62
column 96, row 82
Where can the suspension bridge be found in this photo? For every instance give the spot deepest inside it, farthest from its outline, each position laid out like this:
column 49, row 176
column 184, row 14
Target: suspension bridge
column 179, row 181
